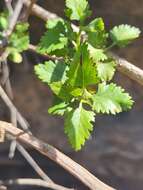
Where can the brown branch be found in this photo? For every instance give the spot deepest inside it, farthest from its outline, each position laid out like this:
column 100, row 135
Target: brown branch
column 5, row 81
column 32, row 162
column 14, row 144
column 15, row 115
column 14, row 17
column 128, row 69
column 44, row 14
column 49, row 151
column 29, row 9
column 24, row 124
column 40, row 12
column 123, row 66
column 33, row 182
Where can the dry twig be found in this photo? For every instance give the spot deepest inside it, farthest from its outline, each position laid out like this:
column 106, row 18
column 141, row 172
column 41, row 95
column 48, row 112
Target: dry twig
column 33, row 182
column 16, row 116
column 32, row 162
column 49, row 151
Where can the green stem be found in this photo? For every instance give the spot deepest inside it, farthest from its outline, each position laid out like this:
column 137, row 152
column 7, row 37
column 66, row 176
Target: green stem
column 78, row 40
column 111, row 46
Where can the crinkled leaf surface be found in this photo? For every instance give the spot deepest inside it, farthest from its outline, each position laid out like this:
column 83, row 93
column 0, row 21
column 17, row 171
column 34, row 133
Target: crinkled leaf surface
column 82, row 72
column 78, row 126
column 96, row 54
column 19, row 39
column 95, row 25
column 50, row 72
column 54, row 41
column 97, row 39
column 111, row 99
column 77, row 9
column 124, row 34
column 106, row 70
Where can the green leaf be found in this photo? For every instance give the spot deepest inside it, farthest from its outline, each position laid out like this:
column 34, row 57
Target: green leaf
column 65, row 91
column 96, row 54
column 15, row 57
column 50, row 72
column 124, row 34
column 3, row 23
column 76, row 92
column 106, row 70
column 111, row 99
column 62, row 90
column 82, row 71
column 22, row 27
column 96, row 25
column 52, row 23
column 19, row 39
column 77, row 9
column 54, row 41
column 58, row 109
column 97, row 39
column 20, row 43
column 78, row 126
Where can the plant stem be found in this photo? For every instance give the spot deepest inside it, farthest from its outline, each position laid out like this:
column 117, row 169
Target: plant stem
column 111, row 46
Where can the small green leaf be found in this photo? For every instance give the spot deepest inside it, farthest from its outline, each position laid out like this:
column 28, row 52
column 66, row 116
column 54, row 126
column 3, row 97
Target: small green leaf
column 54, row 41
column 76, row 92
column 19, row 39
column 96, row 25
column 22, row 27
column 97, row 39
column 15, row 57
column 122, row 35
column 78, row 126
column 52, row 23
column 3, row 23
column 58, row 109
column 77, row 9
column 111, row 99
column 82, row 71
column 20, row 43
column 50, row 72
column 106, row 70
column 62, row 90
column 96, row 54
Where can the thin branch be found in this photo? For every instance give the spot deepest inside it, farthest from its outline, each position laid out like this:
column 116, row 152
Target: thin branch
column 9, row 103
column 14, row 17
column 123, row 66
column 29, row 9
column 5, row 79
column 14, row 144
column 33, row 182
column 128, row 69
column 15, row 115
column 40, row 12
column 44, row 14
column 32, row 162
column 64, row 161
column 9, row 6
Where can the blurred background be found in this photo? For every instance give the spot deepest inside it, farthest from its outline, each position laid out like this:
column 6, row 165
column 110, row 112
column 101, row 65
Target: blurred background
column 114, row 153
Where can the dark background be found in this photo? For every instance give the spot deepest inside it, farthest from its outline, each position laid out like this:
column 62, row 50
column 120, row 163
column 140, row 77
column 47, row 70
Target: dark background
column 115, row 151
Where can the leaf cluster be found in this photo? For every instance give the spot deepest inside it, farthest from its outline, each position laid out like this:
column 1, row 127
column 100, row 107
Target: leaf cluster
column 17, row 42
column 82, row 80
